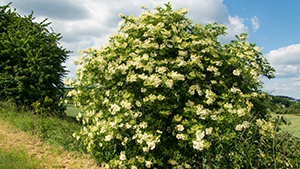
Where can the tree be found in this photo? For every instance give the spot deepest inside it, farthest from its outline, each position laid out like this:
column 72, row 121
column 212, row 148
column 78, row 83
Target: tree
column 31, row 60
column 173, row 96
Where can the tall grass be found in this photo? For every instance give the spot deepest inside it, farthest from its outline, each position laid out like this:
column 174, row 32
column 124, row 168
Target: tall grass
column 54, row 130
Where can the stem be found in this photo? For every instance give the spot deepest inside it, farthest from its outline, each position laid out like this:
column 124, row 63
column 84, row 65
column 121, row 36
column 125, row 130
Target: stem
column 274, row 157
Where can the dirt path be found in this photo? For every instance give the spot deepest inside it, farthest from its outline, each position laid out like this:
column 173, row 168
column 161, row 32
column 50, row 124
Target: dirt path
column 48, row 155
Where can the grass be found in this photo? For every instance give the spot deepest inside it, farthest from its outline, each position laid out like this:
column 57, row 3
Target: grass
column 72, row 111
column 16, row 160
column 50, row 139
column 294, row 128
column 50, row 129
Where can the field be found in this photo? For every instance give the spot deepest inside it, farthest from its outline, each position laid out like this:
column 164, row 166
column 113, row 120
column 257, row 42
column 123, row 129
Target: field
column 294, row 128
column 72, row 111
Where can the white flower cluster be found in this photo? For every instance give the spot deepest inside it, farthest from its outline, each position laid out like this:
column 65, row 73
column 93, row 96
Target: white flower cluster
column 198, row 144
column 150, row 140
column 240, row 127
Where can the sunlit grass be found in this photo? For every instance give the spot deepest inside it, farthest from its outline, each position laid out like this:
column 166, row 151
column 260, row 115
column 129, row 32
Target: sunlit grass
column 17, row 160
column 49, row 140
column 294, row 128
column 72, row 111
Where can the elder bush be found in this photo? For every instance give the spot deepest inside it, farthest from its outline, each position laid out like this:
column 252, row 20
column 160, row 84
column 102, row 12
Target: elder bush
column 165, row 93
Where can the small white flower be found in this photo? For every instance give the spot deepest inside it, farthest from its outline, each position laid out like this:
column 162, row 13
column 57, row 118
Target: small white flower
column 234, row 89
column 173, row 162
column 177, row 76
column 213, row 82
column 198, row 145
column 228, row 105
column 115, row 108
column 241, row 112
column 152, row 97
column 239, row 127
column 236, row 72
column 125, row 104
column 212, row 69
column 200, row 135
column 246, row 124
column 180, row 127
column 180, row 136
column 148, row 164
column 161, row 97
column 143, row 90
column 108, row 138
column 253, row 72
column 122, row 156
column 182, row 53
column 143, row 125
column 138, row 104
column 259, row 122
column 169, row 83
column 208, row 131
column 257, row 49
column 145, row 149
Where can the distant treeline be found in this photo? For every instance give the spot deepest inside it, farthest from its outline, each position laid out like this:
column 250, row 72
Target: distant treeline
column 285, row 100
column 284, row 104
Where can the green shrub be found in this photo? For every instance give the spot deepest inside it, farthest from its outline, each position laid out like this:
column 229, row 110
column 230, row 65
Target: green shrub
column 31, row 60
column 174, row 96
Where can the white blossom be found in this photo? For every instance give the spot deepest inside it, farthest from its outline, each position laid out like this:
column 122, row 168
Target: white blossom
column 108, row 138
column 169, row 83
column 236, row 72
column 148, row 164
column 180, row 127
column 122, row 156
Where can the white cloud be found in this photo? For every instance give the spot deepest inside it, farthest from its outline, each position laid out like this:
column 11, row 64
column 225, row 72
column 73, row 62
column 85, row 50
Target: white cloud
column 286, row 71
column 87, row 23
column 295, row 79
column 255, row 23
column 282, row 86
column 235, row 26
column 203, row 11
column 285, row 55
column 286, row 61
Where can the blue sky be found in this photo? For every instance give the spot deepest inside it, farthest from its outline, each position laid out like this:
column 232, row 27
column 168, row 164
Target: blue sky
column 272, row 24
column 279, row 21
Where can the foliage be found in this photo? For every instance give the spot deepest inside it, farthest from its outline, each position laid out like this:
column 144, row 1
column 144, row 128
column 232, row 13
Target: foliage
column 174, row 96
column 31, row 60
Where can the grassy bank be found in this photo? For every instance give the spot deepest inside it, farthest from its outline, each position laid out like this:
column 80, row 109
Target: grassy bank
column 45, row 140
column 49, row 129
